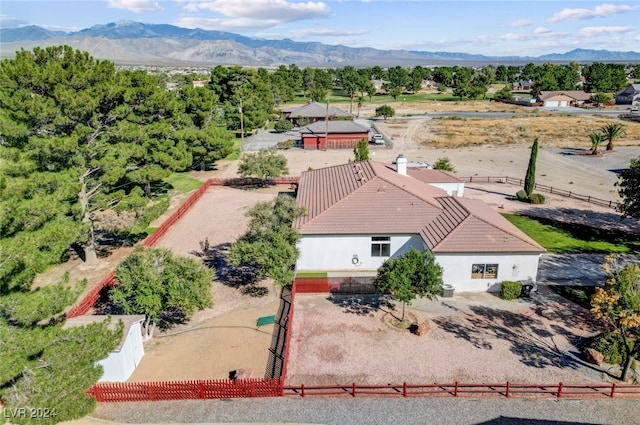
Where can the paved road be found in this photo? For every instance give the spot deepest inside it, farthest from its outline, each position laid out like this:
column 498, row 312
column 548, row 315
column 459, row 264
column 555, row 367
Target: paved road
column 373, row 411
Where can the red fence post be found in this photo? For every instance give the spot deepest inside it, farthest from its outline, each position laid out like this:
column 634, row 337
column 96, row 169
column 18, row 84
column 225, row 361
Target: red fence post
column 560, row 390
column 404, row 389
column 507, row 392
column 353, row 389
column 613, row 389
column 455, row 391
column 302, row 390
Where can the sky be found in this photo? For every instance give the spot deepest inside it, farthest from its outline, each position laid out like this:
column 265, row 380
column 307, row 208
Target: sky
column 493, row 28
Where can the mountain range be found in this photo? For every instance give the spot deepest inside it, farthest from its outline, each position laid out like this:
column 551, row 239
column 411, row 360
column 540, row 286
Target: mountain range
column 135, row 43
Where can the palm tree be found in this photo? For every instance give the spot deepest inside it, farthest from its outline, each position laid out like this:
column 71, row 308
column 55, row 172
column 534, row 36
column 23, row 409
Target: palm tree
column 611, row 132
column 596, row 140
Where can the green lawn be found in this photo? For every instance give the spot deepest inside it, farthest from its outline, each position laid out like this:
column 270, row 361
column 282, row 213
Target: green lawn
column 181, row 182
column 580, row 295
column 563, row 238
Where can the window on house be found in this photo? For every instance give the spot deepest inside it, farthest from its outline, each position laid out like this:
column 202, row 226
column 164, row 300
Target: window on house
column 484, row 271
column 380, row 246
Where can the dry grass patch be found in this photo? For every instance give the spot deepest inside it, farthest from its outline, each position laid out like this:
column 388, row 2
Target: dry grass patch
column 553, row 130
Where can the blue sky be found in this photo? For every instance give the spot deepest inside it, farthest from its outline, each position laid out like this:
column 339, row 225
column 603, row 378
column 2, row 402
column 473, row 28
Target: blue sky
column 501, row 28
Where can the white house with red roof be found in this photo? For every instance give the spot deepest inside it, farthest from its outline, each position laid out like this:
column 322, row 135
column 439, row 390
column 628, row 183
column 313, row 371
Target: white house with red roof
column 361, row 214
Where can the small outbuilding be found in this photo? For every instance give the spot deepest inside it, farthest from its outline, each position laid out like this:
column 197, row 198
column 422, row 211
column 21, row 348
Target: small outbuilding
column 123, row 360
column 333, row 135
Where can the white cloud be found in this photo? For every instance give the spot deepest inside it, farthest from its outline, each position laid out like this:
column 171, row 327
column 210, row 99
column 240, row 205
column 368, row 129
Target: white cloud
column 520, row 23
column 541, row 30
column 598, row 11
column 594, row 31
column 269, row 10
column 135, row 5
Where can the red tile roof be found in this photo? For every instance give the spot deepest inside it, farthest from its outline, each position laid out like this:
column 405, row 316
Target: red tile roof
column 371, row 198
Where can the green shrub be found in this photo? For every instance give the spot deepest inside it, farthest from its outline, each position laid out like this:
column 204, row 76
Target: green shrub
column 522, row 196
column 537, row 198
column 510, row 290
column 611, row 345
column 282, row 126
column 443, row 164
column 286, row 144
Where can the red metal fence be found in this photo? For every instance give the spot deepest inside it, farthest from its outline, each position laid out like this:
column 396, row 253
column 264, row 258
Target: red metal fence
column 544, row 188
column 90, row 299
column 458, row 389
column 184, row 390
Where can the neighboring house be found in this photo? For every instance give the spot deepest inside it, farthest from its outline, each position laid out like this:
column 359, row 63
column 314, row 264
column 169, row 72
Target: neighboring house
column 314, row 111
column 333, row 135
column 199, row 83
column 563, row 98
column 123, row 360
column 522, row 85
column 629, row 96
column 361, row 214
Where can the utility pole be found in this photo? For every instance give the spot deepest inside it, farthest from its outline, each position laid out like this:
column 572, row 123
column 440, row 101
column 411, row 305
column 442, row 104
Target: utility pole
column 241, row 126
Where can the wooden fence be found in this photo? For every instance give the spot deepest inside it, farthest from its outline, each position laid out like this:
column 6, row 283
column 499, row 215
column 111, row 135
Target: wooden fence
column 250, row 388
column 543, row 188
column 458, row 389
column 186, row 390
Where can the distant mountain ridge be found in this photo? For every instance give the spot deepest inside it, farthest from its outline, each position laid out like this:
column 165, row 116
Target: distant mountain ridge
column 128, row 42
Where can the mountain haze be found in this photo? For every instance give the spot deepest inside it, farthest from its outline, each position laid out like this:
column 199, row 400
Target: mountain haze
column 128, row 42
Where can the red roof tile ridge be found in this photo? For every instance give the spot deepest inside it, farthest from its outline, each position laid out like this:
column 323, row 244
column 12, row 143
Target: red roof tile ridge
column 413, row 186
column 498, row 223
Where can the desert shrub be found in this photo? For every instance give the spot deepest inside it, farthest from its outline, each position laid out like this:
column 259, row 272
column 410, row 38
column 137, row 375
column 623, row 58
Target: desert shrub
column 510, row 290
column 522, row 196
column 537, row 198
column 282, row 126
column 611, row 345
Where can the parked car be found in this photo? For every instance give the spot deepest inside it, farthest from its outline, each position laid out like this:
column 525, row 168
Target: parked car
column 377, row 139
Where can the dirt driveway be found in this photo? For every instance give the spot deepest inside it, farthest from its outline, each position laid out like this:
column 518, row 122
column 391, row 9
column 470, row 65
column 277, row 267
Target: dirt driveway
column 472, row 338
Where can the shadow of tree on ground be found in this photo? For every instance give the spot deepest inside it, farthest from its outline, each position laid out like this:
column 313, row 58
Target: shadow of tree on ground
column 529, row 337
column 244, row 278
column 362, row 304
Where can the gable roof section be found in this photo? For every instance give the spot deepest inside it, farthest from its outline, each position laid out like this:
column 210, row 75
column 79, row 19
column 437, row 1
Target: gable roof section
column 370, row 198
column 573, row 94
column 483, row 230
column 317, row 110
column 333, row 127
column 427, row 175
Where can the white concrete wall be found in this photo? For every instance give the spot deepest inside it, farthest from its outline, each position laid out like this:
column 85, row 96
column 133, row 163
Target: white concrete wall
column 457, row 270
column 452, row 189
column 120, row 364
column 336, row 252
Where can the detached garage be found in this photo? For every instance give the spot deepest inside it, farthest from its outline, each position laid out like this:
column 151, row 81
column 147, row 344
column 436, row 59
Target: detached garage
column 333, row 135
column 123, row 360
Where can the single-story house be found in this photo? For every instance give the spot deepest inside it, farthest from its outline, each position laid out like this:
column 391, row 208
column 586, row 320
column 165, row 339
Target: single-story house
column 123, row 360
column 563, row 98
column 362, row 214
column 522, row 85
column 629, row 96
column 333, row 135
column 314, row 111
